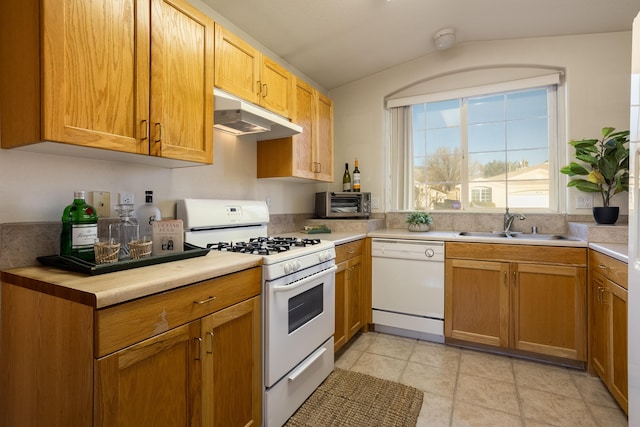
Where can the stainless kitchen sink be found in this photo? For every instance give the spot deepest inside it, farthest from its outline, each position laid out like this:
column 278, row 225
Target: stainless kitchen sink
column 515, row 235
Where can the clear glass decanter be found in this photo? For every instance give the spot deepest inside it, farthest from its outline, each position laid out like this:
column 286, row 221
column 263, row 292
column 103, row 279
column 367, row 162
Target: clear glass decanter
column 124, row 231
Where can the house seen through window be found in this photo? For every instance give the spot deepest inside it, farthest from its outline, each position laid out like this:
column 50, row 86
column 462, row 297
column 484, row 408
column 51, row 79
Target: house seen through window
column 479, row 153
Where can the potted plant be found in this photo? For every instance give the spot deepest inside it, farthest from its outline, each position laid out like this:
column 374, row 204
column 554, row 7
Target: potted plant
column 606, row 169
column 419, row 221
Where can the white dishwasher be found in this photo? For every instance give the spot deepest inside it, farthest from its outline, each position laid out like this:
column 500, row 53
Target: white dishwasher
column 408, row 288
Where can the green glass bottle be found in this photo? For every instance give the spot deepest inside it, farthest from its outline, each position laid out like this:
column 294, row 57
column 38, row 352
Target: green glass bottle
column 79, row 229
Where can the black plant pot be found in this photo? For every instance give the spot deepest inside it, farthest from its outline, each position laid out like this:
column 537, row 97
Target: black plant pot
column 606, row 214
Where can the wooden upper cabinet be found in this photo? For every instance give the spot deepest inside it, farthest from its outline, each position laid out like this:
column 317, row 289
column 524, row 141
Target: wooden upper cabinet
column 276, row 88
column 82, row 73
column 308, row 155
column 243, row 71
column 324, row 143
column 181, row 82
column 237, row 68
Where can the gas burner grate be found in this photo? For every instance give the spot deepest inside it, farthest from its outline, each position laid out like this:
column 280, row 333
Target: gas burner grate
column 263, row 245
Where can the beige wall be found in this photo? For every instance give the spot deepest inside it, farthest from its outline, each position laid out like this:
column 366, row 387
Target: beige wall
column 597, row 71
column 36, row 187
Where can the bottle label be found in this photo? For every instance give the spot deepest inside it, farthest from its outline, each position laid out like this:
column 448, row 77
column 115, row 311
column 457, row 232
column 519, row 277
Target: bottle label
column 83, row 235
column 346, row 186
column 356, row 181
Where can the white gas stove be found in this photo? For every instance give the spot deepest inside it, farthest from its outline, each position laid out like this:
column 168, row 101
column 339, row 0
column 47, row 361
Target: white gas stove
column 298, row 294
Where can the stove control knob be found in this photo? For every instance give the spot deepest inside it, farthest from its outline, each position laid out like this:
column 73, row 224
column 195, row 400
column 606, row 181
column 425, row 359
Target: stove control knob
column 291, row 266
column 288, row 268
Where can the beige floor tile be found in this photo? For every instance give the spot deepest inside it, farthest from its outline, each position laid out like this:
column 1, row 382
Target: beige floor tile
column 427, row 378
column 435, row 412
column 543, row 377
column 347, row 358
column 466, row 414
column 545, row 407
column 392, row 346
column 387, row 368
column 436, row 355
column 486, row 365
column 608, row 417
column 593, row 390
column 487, row 393
column 362, row 341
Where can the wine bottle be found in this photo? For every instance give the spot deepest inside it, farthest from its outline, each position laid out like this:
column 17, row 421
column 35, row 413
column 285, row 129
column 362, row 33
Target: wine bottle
column 356, row 178
column 346, row 178
column 79, row 229
column 146, row 214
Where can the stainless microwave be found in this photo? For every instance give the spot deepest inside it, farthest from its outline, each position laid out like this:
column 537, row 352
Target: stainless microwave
column 343, row 205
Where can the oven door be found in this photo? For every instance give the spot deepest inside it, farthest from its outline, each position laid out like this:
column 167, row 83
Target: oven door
column 299, row 317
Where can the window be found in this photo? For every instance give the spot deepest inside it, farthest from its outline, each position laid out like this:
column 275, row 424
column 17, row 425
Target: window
column 481, row 153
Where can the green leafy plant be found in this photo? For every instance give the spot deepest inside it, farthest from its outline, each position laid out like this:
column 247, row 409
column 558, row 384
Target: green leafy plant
column 419, row 217
column 606, row 164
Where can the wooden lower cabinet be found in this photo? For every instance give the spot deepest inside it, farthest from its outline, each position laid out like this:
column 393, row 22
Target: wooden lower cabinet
column 199, row 362
column 608, row 324
column 150, row 383
column 525, row 298
column 349, row 317
column 477, row 301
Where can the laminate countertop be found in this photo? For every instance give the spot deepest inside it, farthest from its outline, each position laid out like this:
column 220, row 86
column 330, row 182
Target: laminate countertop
column 113, row 288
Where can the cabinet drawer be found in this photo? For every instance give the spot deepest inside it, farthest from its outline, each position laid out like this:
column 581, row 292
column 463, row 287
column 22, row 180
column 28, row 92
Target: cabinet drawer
column 125, row 324
column 348, row 250
column 611, row 268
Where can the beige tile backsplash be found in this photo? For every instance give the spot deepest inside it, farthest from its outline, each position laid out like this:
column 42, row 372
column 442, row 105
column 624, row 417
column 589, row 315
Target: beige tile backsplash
column 21, row 243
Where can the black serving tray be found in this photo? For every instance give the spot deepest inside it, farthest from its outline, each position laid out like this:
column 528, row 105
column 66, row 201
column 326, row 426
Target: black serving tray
column 71, row 263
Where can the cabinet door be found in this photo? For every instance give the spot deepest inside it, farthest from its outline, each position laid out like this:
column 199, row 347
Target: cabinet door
column 237, row 65
column 599, row 326
column 354, row 296
column 181, row 82
column 277, row 87
column 95, row 73
column 477, row 301
column 616, row 297
column 152, row 383
column 303, row 143
column 324, row 139
column 340, row 333
column 549, row 310
column 232, row 366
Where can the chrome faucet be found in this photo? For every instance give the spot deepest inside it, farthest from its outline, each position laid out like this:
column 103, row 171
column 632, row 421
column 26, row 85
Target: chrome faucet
column 508, row 219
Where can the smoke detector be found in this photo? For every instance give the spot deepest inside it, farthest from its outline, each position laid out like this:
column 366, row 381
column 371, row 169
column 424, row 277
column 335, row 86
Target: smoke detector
column 444, row 38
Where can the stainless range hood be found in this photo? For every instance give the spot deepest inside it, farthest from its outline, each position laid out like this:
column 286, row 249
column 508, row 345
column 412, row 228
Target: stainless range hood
column 238, row 117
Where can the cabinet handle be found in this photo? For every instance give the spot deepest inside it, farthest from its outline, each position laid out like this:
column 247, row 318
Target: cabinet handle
column 211, row 335
column 352, row 252
column 604, row 267
column 159, row 132
column 145, row 130
column 604, row 301
column 199, row 341
column 266, row 90
column 204, row 301
column 259, row 83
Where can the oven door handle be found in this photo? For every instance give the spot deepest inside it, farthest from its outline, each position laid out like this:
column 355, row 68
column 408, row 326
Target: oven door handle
column 304, row 281
column 295, row 374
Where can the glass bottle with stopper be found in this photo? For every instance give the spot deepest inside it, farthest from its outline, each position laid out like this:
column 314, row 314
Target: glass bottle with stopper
column 124, row 231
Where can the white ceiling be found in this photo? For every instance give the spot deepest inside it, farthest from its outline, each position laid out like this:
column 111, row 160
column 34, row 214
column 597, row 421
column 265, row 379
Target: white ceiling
column 335, row 42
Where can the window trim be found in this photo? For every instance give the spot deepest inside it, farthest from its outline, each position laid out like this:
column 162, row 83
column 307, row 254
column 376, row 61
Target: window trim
column 468, row 92
column 556, row 110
